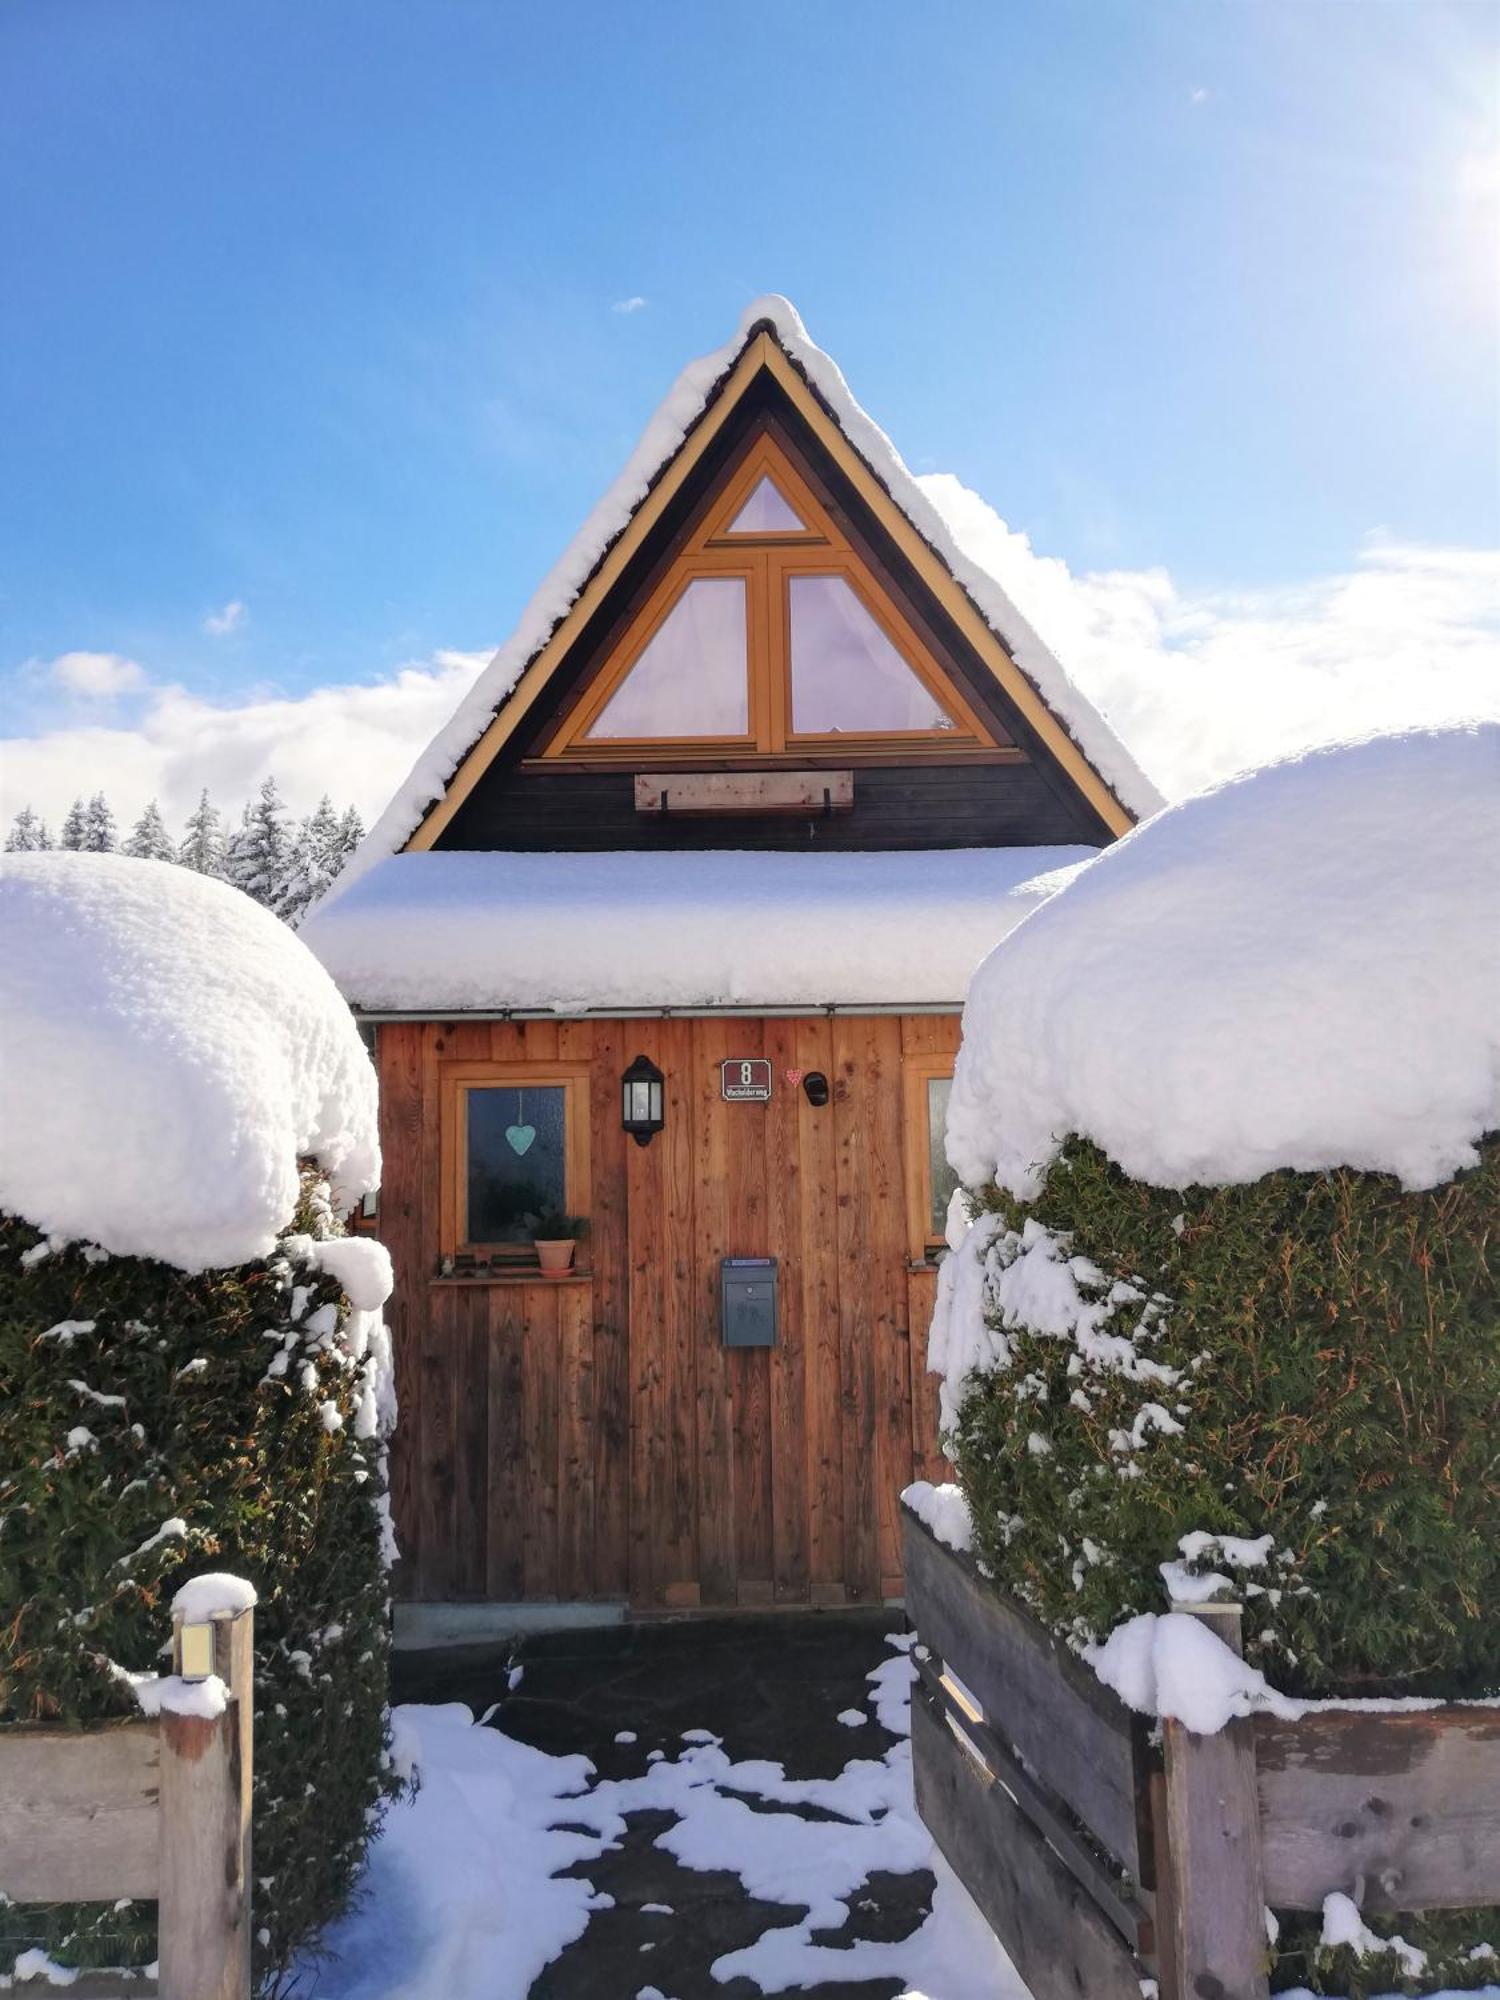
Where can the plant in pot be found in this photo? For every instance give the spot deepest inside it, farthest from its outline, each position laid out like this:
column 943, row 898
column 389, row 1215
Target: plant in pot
column 555, row 1237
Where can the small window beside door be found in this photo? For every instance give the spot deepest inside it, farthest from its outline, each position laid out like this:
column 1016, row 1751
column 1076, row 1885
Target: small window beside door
column 930, row 1181
column 515, row 1146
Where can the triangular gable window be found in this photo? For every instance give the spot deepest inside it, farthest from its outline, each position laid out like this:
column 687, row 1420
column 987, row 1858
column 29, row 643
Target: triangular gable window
column 767, row 512
column 690, row 678
column 848, row 677
column 769, row 636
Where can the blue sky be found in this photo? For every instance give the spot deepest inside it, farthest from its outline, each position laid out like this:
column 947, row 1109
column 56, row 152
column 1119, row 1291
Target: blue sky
column 312, row 307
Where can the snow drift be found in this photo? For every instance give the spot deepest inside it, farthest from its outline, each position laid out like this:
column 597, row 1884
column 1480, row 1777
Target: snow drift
column 1298, row 969
column 170, row 1050
column 574, row 932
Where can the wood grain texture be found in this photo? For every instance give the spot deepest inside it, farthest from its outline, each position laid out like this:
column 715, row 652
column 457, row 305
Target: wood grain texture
column 78, row 1813
column 856, row 1280
column 1117, row 1901
column 1061, row 1944
column 750, row 1367
column 928, row 1461
column 1400, row 1810
column 505, row 1433
column 594, row 1439
column 1216, row 1900
column 734, row 792
column 718, row 1568
column 889, row 1324
column 782, row 1123
column 896, row 806
column 204, row 1944
column 819, row 1285
column 609, row 1251
column 682, row 1331
column 1078, row 1739
column 203, row 1910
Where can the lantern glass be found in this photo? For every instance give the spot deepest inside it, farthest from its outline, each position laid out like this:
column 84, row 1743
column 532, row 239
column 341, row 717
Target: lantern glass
column 641, row 1100
column 196, row 1651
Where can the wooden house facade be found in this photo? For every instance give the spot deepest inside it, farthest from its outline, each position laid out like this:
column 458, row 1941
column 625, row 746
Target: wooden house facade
column 768, row 767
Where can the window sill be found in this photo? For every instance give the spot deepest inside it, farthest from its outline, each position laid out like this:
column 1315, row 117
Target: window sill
column 524, row 1274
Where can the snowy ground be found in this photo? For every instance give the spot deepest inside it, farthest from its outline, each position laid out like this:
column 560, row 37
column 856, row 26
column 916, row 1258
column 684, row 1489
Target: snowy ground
column 466, row 1894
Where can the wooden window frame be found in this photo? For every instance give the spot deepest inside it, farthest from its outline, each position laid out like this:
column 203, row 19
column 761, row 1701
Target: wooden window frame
column 766, row 562
column 455, row 1081
column 917, row 1071
column 654, row 614
column 766, row 460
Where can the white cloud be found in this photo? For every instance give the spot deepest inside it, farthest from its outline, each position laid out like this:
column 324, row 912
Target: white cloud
column 633, row 304
column 355, row 742
column 219, row 624
column 1198, row 94
column 96, row 676
column 1478, row 176
column 1200, row 686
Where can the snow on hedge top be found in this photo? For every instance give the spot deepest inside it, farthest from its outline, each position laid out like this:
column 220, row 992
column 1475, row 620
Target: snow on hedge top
column 1299, row 968
column 168, row 1049
column 580, row 932
column 663, row 435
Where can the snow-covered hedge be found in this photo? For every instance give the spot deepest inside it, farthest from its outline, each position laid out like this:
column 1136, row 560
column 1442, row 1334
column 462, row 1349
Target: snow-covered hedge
column 1283, row 1385
column 155, row 1424
column 170, row 1051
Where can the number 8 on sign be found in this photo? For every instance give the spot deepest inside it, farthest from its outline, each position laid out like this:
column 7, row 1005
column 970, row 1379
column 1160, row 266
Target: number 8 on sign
column 745, row 1080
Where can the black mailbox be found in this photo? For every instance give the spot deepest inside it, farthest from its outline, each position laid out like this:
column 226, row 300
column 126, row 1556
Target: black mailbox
column 747, row 1292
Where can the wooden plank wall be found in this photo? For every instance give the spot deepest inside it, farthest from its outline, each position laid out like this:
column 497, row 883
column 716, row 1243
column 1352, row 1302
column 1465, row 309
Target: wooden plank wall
column 593, row 1438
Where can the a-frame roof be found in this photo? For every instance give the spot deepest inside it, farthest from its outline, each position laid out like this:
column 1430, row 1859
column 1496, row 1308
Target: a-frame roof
column 771, row 338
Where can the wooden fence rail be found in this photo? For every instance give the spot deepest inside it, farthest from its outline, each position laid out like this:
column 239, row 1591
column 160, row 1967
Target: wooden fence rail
column 1099, row 1860
column 156, row 1809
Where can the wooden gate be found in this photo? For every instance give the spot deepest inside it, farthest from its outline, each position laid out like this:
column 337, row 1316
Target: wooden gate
column 1099, row 1860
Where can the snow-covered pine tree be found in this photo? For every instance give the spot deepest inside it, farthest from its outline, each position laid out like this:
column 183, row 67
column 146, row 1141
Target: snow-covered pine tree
column 351, row 833
column 28, row 834
column 257, row 856
column 149, row 839
column 312, row 864
column 202, row 847
column 75, row 827
column 100, row 835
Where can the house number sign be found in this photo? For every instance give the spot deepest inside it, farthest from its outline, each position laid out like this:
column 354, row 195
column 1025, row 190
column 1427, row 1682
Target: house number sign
column 745, row 1080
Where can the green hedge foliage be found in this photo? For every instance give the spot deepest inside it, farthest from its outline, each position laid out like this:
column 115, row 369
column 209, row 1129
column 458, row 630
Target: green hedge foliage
column 257, row 1456
column 1334, row 1348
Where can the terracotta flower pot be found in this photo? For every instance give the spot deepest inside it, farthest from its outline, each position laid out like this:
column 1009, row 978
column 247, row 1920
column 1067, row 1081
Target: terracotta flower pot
column 556, row 1256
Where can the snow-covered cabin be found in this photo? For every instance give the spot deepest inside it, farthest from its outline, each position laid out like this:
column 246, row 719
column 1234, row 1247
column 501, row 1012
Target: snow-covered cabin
column 766, row 770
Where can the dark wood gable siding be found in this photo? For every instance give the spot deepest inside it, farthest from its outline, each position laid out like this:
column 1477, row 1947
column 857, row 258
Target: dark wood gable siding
column 919, row 804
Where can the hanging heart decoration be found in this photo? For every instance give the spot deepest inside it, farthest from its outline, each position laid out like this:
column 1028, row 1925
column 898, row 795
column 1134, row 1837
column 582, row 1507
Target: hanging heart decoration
column 793, row 1076
column 520, row 1138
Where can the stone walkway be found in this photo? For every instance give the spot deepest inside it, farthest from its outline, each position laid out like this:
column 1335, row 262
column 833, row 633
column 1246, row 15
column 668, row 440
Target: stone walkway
column 771, row 1687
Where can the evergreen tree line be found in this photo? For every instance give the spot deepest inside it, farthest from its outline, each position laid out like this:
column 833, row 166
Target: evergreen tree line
column 283, row 865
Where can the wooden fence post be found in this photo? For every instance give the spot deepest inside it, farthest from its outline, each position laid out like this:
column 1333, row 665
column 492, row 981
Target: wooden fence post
column 1216, row 1894
column 204, row 1907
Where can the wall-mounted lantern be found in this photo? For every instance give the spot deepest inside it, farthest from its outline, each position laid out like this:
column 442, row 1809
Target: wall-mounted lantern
column 815, row 1087
column 641, row 1100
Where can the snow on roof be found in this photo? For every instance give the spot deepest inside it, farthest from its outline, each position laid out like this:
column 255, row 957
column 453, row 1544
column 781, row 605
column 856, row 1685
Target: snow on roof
column 663, row 435
column 1299, row 968
column 168, row 1049
column 594, row 932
